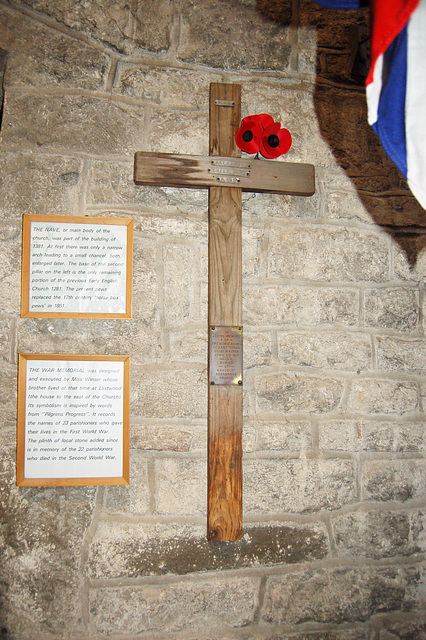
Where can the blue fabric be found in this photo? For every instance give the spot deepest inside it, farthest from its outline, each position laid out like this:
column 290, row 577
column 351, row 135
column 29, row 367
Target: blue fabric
column 390, row 125
column 341, row 4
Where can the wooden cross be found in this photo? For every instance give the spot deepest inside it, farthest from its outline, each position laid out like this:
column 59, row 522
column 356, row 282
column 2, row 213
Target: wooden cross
column 226, row 174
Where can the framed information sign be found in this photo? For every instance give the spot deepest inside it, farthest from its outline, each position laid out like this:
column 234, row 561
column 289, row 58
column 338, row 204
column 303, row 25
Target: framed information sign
column 76, row 267
column 73, row 420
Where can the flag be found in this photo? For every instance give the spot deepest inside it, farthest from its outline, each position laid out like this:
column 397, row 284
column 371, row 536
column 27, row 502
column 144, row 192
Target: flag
column 396, row 83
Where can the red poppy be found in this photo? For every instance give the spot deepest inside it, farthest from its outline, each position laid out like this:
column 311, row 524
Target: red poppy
column 249, row 134
column 275, row 141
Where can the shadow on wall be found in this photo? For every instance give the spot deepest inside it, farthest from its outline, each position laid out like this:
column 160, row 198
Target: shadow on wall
column 341, row 109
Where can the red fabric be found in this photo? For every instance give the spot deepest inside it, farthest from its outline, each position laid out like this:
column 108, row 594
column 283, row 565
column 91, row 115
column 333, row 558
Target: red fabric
column 388, row 18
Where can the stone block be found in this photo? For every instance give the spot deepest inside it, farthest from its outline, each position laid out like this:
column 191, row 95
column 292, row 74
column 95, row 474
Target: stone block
column 411, row 626
column 278, row 206
column 327, row 25
column 182, row 132
column 146, row 289
column 167, row 437
column 173, row 88
column 10, row 261
column 154, row 23
column 168, row 393
column 379, row 534
column 338, row 435
column 337, row 595
column 371, row 435
column 112, row 184
column 79, row 124
column 8, row 391
column 181, row 487
column 226, row 39
column 294, row 393
column 115, row 24
column 330, row 255
column 188, row 346
column 395, row 354
column 328, row 350
column 396, row 309
column 373, row 396
column 301, row 306
column 410, row 260
column 228, row 602
column 346, row 206
column 289, row 436
column 7, row 335
column 42, row 536
column 136, row 550
column 277, row 485
column 257, row 350
column 133, row 498
column 38, row 56
column 393, row 480
column 39, row 184
column 178, row 283
column 107, row 337
column 406, row 212
column 253, row 242
column 390, row 436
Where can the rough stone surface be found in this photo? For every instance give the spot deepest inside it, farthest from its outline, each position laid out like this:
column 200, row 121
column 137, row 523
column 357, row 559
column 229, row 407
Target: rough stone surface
column 175, row 606
column 42, row 531
column 341, row 256
column 295, row 486
column 294, row 393
column 290, row 305
column 384, row 396
column 334, row 313
column 63, row 122
column 29, row 184
column 396, row 309
column 159, row 550
column 115, row 24
column 327, row 351
column 38, row 55
column 226, row 40
column 342, row 595
column 379, row 534
column 398, row 480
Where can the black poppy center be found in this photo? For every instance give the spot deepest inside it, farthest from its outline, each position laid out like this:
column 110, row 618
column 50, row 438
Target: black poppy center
column 273, row 141
column 248, row 136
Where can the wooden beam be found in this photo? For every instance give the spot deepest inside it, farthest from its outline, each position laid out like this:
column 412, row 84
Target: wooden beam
column 225, row 406
column 197, row 172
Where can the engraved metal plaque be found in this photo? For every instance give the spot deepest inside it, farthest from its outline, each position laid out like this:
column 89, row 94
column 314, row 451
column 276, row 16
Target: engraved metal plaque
column 226, row 355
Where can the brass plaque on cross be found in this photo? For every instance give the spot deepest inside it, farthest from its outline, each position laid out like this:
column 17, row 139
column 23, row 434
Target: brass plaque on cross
column 226, row 355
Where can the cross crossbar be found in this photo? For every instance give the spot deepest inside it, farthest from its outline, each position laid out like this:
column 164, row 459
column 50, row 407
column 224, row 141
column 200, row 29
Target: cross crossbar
column 199, row 172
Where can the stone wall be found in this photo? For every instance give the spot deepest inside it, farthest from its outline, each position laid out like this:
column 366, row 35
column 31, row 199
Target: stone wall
column 334, row 541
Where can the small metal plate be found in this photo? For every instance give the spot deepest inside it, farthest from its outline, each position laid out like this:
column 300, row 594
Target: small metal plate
column 224, row 103
column 226, row 355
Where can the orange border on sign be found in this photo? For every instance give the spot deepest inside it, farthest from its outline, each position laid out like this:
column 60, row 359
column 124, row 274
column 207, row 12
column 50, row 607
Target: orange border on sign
column 21, row 480
column 27, row 219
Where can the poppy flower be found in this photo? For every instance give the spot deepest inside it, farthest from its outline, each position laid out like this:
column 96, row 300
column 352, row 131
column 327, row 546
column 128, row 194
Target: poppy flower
column 249, row 134
column 275, row 141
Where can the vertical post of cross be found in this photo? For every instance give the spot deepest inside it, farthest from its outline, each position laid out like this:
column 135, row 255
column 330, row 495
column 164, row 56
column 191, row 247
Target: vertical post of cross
column 225, row 405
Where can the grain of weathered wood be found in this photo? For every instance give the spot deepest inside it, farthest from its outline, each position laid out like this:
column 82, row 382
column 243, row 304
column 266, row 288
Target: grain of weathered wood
column 224, row 503
column 225, row 257
column 225, row 463
column 197, row 172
